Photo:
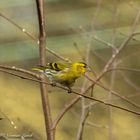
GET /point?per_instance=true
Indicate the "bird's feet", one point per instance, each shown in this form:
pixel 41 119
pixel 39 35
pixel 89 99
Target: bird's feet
pixel 53 84
pixel 69 90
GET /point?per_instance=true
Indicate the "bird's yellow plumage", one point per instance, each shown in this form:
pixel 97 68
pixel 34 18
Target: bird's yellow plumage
pixel 63 74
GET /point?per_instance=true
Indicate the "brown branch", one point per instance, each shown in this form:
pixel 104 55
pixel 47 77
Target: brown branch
pixel 88 122
pixel 84 111
pixel 58 55
pixel 13 68
pixel 42 59
pixel 6 136
pixel 113 75
pixel 84 117
pixel 96 125
pixel 22 77
pixel 123 69
pixel 114 99
pixel 105 103
pixel 95 37
pixel 125 35
pixel 129 82
pixel 114 93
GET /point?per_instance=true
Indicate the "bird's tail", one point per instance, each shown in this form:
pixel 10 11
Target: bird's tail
pixel 40 69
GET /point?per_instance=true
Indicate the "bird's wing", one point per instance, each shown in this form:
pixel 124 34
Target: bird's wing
pixel 57 66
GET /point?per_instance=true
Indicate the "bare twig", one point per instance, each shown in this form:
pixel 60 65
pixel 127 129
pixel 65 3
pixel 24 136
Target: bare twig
pixel 83 114
pixel 12 123
pixel 84 111
pixel 125 35
pixel 96 125
pixel 131 83
pixel 114 99
pixel 19 27
pixel 84 117
pixel 123 69
pixel 103 41
pixel 113 74
pixel 13 68
pixel 32 37
pixel 42 51
pixel 16 136
pixel 21 76
pixel 114 93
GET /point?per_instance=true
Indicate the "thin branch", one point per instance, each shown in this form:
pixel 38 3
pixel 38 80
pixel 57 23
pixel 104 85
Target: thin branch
pixel 136 21
pixel 112 80
pixel 16 136
pixel 32 37
pixel 22 77
pixel 114 99
pixel 123 69
pixel 103 41
pixel 84 117
pixel 12 123
pixel 89 123
pixel 131 83
pixel 113 92
pixel 58 55
pixel 113 74
pixel 96 125
pixel 84 111
pixel 13 68
pixel 42 60
pixel 116 69
pixel 19 27
pixel 125 35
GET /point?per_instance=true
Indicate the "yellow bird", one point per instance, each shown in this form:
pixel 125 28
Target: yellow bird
pixel 62 73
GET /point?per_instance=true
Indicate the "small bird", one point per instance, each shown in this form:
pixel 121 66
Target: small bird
pixel 63 74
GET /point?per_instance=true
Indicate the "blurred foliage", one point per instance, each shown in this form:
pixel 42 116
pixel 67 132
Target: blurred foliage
pixel 69 23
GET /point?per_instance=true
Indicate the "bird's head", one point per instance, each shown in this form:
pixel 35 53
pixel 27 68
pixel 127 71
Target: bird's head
pixel 79 67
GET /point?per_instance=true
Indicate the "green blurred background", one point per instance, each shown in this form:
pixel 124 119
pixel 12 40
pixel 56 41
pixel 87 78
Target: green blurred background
pixel 70 24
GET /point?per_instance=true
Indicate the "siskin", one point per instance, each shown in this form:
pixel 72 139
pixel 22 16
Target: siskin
pixel 63 74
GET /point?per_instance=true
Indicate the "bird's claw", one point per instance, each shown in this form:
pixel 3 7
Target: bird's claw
pixel 69 90
pixel 53 84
